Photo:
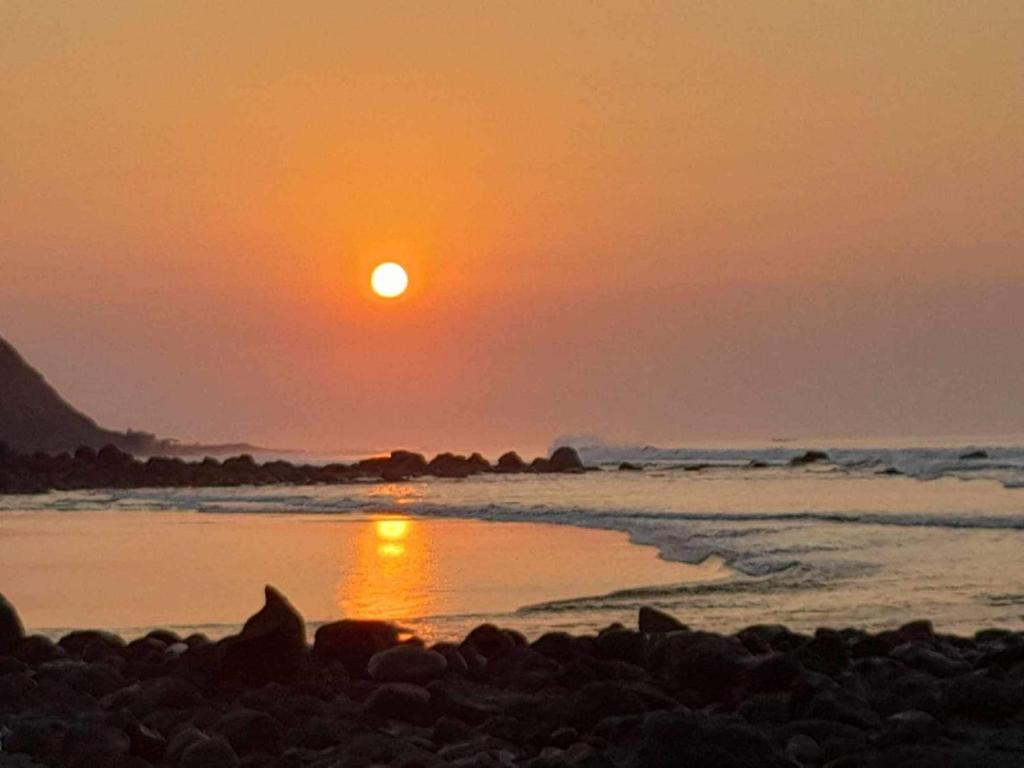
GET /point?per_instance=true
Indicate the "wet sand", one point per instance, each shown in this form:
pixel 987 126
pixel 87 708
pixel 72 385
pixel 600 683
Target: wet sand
pixel 132 571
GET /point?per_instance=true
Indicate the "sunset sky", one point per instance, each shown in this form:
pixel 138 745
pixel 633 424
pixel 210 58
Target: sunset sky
pixel 659 222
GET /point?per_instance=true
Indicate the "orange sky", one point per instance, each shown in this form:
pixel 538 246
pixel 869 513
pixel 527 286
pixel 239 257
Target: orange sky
pixel 654 221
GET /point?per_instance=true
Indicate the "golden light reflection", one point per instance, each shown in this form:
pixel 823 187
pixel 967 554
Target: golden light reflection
pixel 393 572
pixel 392 530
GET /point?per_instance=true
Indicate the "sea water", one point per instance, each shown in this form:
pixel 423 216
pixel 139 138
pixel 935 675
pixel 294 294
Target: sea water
pixel 723 537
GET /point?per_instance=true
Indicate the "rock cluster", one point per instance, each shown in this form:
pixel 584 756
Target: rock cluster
pixel 111 467
pixel 658 695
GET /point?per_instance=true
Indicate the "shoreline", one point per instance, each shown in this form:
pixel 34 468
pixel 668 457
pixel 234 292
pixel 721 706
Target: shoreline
pixel 653 694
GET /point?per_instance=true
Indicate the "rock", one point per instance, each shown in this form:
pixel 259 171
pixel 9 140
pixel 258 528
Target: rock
pixel 271 645
pixel 980 697
pixel 651 620
pixel 249 731
pixel 400 701
pixel 406 664
pixel 973 455
pixel 510 462
pixel 208 753
pixel 599 700
pixel 352 643
pixel 488 640
pixel 36 649
pixel 622 645
pixel 449 465
pixel 808 457
pixel 842 707
pixel 627 466
pixel 803 750
pixel 565 459
pixel 561 646
pixel 710 664
pixel 453 656
pixel 92 645
pixel 11 630
pixel 911 726
pixel 91 745
pixel 670 740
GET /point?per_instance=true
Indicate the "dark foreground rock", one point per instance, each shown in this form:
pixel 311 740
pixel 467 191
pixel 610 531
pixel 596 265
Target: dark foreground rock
pixel 650 696
pixel 111 467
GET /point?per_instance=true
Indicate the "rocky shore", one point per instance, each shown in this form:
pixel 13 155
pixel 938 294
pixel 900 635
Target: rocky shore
pixel 111 467
pixel 656 694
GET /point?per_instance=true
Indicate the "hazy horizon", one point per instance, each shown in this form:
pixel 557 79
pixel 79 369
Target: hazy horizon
pixel 656 222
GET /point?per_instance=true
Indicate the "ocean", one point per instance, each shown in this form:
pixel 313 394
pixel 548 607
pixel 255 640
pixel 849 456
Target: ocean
pixel 723 537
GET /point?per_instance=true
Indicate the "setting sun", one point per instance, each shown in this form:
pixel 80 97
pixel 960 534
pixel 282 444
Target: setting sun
pixel 389 280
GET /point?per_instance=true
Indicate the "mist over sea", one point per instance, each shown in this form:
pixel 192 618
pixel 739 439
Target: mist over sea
pixel 724 536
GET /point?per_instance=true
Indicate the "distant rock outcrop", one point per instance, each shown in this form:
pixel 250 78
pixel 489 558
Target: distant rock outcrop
pixel 34 417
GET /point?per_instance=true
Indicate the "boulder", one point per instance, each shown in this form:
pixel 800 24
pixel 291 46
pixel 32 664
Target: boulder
pixel 709 664
pixel 565 459
pixel 249 731
pixel 808 457
pixel 271 645
pixel 651 621
pixel 973 455
pixel 400 701
pixel 208 753
pixel 510 462
pixel 11 630
pixel 352 642
pixel 488 640
pixel 406 664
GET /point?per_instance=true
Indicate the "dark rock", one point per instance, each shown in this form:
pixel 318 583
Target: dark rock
pixel 87 745
pixel 622 645
pixel 808 457
pixel 271 645
pixel 803 750
pixel 707 663
pixel 11 630
pixel 249 731
pixel 596 701
pixel 400 701
pixel 565 459
pixel 980 697
pixel 448 730
pixel 911 726
pixel 92 645
pixel 652 620
pixel 352 642
pixel 842 707
pixel 36 649
pixel 627 466
pixel 670 740
pixel 406 664
pixel 561 646
pixel 457 664
pixel 488 640
pixel 510 462
pixel 973 455
pixel 449 465
pixel 208 753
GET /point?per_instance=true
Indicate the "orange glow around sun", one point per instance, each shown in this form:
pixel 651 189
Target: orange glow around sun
pixel 389 280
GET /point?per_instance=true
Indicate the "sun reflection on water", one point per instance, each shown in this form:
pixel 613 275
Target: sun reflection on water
pixel 393 573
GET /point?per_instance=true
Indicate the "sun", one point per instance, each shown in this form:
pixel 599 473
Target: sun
pixel 389 280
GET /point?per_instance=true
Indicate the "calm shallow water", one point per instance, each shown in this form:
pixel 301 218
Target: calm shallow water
pixel 828 544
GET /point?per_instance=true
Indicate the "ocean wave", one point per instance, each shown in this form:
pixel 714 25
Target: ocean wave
pixel 1001 463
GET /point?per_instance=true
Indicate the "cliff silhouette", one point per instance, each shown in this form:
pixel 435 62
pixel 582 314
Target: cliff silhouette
pixel 34 417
